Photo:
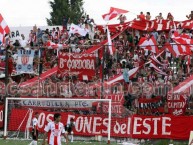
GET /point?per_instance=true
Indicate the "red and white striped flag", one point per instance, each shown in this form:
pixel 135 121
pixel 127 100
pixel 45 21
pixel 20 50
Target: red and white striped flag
pixel 155 60
pixel 4 28
pixel 149 44
pixel 114 12
pixel 159 71
pixel 118 78
pixel 178 50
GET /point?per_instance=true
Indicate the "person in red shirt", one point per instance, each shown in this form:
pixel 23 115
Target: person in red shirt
pixel 141 16
pixel 10 64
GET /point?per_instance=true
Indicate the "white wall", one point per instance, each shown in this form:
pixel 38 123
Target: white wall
pixel 26 30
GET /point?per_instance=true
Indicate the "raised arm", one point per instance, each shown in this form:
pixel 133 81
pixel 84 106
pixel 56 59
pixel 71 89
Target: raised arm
pixel 187 16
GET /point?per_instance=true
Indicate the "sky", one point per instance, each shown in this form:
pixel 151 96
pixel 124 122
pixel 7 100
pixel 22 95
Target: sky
pixel 30 12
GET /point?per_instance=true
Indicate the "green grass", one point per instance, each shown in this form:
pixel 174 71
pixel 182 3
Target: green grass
pixel 24 142
pixel 151 142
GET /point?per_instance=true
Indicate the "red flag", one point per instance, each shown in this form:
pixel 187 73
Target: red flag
pixel 113 13
pixel 4 28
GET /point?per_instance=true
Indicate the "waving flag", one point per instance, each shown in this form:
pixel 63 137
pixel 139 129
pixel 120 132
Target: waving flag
pixel 105 42
pixel 149 44
pixel 42 77
pixel 52 45
pixel 183 39
pixel 109 42
pixel 159 71
pixel 114 12
pixel 155 60
pixel 117 78
pixel 174 49
pixel 75 29
pixel 4 28
pixel 178 50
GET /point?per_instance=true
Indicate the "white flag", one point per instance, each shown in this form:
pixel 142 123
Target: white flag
pixel 109 42
pixel 76 29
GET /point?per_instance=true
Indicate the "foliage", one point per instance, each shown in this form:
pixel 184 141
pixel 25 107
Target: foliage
pixel 63 8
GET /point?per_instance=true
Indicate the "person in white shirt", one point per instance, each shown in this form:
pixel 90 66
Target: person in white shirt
pixel 135 57
pixel 23 42
pixel 77 50
pixel 69 128
pixel 35 129
pixel 54 130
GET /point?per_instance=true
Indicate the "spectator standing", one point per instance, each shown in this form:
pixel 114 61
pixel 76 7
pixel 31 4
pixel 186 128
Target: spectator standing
pixel 170 17
pixel 141 16
pixel 190 16
pixel 159 17
pixel 148 16
pixel 155 34
pixel 122 19
pixel 45 37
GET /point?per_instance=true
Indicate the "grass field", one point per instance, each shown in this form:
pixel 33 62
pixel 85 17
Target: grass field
pixel 152 142
pixel 23 142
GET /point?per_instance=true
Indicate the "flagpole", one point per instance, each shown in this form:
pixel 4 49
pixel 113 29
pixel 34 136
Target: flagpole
pixel 69 73
pixel 172 61
pixel 39 71
pixel 6 79
pixel 103 64
pixel 133 37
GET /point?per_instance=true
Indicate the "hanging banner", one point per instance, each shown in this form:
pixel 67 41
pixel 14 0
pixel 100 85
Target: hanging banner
pixel 25 61
pixel 82 64
pixel 79 104
pixel 115 97
pixel 116 106
pixel 177 104
pixel 155 105
pixel 145 25
pixel 1 115
pixel 144 127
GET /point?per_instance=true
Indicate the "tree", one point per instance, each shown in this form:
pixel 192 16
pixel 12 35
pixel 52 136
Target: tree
pixel 72 9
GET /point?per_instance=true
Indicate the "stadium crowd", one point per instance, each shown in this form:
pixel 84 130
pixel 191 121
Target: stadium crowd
pixel 127 56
